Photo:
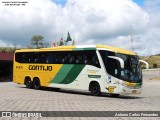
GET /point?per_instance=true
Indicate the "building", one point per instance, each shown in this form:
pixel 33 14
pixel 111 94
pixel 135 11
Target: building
pixel 6 64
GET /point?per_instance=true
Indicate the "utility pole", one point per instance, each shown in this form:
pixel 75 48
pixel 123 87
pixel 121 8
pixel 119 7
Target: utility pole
pixel 132 46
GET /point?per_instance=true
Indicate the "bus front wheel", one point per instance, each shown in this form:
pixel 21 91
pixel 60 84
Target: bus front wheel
pixel 95 89
pixel 36 83
pixel 28 82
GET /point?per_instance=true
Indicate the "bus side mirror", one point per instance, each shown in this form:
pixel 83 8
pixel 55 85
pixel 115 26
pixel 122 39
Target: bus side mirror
pixel 118 59
pixel 147 65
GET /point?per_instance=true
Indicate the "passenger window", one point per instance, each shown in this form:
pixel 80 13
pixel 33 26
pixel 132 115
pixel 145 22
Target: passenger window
pixel 72 59
pixel 67 57
pixel 64 59
pixel 86 61
pixel 91 58
pixel 43 57
pixel 58 58
pixel 79 60
pixel 61 58
pixel 75 57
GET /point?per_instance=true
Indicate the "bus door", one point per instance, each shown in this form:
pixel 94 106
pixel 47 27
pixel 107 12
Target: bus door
pixel 112 67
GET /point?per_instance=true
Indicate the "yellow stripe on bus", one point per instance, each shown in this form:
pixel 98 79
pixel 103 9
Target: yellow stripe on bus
pixel 130 84
pixel 50 75
pixel 116 49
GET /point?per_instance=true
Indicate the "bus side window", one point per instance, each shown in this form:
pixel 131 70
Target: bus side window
pixel 36 58
pixel 79 60
pixel 50 58
pixel 18 57
pixel 91 58
pixel 42 57
pixel 60 58
pixel 31 59
pixel 64 59
pixel 85 60
pixel 72 59
pixel 25 58
pixel 95 61
pixel 75 57
pixel 78 55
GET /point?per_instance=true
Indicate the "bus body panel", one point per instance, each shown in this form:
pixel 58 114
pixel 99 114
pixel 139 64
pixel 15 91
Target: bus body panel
pixel 74 76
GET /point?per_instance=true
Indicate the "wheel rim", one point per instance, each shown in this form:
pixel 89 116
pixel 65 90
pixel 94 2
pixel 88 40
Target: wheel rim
pixel 36 84
pixel 95 89
pixel 28 83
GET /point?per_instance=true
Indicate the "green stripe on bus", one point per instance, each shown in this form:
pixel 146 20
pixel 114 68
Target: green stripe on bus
pixel 139 84
pixel 89 48
pixel 67 74
pixel 62 73
pixel 79 49
pixel 73 73
pixel 94 76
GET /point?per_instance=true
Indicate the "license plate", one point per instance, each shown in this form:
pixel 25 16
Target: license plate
pixel 134 91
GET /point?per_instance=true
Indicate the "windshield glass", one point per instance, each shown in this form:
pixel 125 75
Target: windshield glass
pixel 132 68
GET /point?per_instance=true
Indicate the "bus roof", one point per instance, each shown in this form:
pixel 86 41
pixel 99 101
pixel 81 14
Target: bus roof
pixel 116 49
pixel 82 47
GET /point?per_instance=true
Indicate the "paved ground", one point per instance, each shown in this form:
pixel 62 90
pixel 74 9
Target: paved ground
pixel 14 97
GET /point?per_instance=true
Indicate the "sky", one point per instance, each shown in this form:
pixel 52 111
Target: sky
pixel 107 22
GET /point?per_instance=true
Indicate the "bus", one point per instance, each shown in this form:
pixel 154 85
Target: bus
pixel 95 68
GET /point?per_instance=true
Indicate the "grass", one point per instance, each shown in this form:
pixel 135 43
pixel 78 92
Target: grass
pixel 158 78
pixel 155 78
pixel 152 60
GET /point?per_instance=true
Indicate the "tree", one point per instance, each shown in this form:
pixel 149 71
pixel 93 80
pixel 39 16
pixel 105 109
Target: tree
pixel 37 40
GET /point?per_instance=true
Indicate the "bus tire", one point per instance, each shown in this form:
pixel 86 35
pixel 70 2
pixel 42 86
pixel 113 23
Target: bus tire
pixel 95 89
pixel 115 95
pixel 36 83
pixel 28 82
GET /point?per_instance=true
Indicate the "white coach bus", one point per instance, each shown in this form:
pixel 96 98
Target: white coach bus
pixel 95 68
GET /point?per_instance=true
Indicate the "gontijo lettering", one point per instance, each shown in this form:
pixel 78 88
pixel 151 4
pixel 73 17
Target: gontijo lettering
pixel 40 67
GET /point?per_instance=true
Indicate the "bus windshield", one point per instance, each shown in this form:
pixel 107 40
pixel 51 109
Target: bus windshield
pixel 132 69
